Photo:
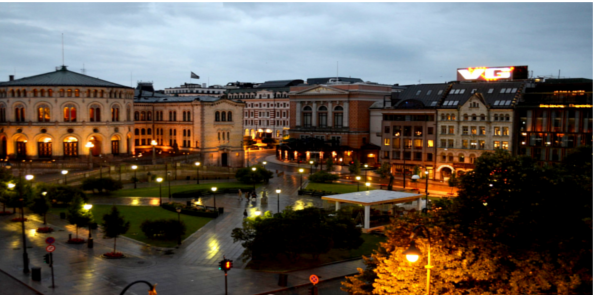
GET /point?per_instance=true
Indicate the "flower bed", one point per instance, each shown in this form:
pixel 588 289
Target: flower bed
pixel 113 255
pixel 18 219
pixel 44 230
pixel 76 241
pixel 189 210
pixel 2 213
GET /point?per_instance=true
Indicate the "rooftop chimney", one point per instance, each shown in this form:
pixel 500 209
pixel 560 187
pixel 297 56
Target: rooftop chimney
pixel 11 78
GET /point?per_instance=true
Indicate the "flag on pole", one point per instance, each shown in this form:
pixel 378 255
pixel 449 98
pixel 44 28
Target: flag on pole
pixel 194 76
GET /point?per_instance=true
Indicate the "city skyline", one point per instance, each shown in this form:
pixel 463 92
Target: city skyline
pixel 405 43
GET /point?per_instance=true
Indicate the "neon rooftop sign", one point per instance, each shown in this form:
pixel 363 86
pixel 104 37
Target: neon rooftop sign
pixel 507 73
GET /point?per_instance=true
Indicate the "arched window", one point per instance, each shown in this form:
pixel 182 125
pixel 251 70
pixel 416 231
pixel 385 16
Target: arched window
pixel 307 116
pixel 115 114
pixel 95 93
pixel 19 113
pixel 101 94
pixel 43 113
pixel 88 93
pixel 228 116
pixel 136 116
pixel 95 113
pixel 474 117
pixel 77 93
pixel 24 93
pixel 62 92
pixel 34 92
pixel 18 93
pixel 223 116
pixel 465 117
pixel 2 113
pixel 142 131
pixel 442 117
pixel 149 116
pixel 127 113
pixel 12 93
pixel 50 93
pixel 472 158
pixel 69 93
pixel 189 117
pixel 482 117
pixel 120 94
pixel 507 117
pixel 501 117
pixel 461 158
pixel 495 117
pixel 42 93
pixel 338 117
pixel 217 118
pixel 453 117
pixel 136 131
pixel 184 131
pixel 322 117
pixel 142 116
pixel 69 113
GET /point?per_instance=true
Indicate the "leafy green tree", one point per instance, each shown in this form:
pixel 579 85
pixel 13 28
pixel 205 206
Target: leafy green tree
pixel 77 215
pixel 61 195
pixel 5 193
pixel 114 225
pixel 329 164
pixel 246 175
pixel 355 168
pixel 40 206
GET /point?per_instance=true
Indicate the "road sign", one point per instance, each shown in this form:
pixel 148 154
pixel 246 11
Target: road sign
pixel 50 240
pixel 50 248
pixel 314 279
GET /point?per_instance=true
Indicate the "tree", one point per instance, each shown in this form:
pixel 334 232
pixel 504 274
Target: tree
pixel 103 185
pixel 246 175
pixel 61 195
pixel 329 164
pixel 384 173
pixel 77 215
pixel 40 206
pixel 114 225
pixel 355 168
pixel 452 181
pixel 323 177
pixel 5 193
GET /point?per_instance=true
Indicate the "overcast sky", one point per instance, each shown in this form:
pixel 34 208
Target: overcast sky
pixel 255 42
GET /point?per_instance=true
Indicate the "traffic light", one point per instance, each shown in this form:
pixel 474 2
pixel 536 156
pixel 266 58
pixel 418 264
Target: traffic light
pixel 222 265
pixel 46 258
pixel 228 264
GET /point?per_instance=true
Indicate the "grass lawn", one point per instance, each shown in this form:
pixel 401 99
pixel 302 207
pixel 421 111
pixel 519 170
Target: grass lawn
pixel 137 214
pixel 154 191
pixel 283 264
pixel 335 187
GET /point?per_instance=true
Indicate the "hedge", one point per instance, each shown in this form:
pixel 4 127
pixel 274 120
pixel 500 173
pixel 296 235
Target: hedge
pixel 190 210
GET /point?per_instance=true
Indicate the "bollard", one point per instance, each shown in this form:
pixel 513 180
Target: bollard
pixel 90 243
pixel 282 280
pixel 69 237
pixel 36 274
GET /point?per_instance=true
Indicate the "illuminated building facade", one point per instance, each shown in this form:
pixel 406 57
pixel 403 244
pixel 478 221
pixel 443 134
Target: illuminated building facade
pixel 554 116
pixel 194 89
pixel 335 113
pixel 407 130
pixel 55 115
pixel 266 114
pixel 207 125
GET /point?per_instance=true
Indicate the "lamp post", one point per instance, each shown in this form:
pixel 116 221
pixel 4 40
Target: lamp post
pixel 214 189
pixel 90 145
pixel 367 185
pixel 178 209
pixel 88 207
pixel 197 173
pixel 427 176
pixel 311 163
pixel 301 170
pixel 134 167
pixel 254 179
pixel 100 166
pixel 153 145
pixel 159 180
pixel 169 185
pixel 25 255
pixel 413 252
pixel 366 168
pixel 65 172
pixel 358 178
pixel 278 191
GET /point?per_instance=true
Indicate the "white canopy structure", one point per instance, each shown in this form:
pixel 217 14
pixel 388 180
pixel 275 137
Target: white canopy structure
pixel 374 197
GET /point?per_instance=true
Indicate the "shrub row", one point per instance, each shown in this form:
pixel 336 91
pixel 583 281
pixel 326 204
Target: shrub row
pixel 189 210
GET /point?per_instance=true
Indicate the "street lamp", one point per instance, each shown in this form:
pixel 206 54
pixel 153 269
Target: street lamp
pixel 134 167
pixel 358 178
pixel 301 170
pixel 197 173
pixel 278 191
pixel 414 178
pixel 427 177
pixel 311 163
pixel 178 209
pixel 154 144
pixel 64 172
pixel 253 179
pixel 25 255
pixel 366 166
pixel 88 207
pixel 159 180
pixel 90 145
pixel 367 185
pixel 214 189
pixel 413 252
pixel 169 185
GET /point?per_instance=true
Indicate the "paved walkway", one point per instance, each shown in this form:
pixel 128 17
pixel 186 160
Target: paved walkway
pixel 191 269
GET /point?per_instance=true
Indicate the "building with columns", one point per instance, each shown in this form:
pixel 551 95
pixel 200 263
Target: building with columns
pixel 56 114
pixel 337 114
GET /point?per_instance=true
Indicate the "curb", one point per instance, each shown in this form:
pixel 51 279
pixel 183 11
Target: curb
pixel 19 281
pixel 303 285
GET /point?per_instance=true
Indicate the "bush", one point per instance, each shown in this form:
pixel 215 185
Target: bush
pixel 322 177
pixel 101 185
pixel 61 195
pixel 246 175
pixel 166 229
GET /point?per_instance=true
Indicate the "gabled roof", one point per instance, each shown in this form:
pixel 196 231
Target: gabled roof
pixel 62 77
pixel 428 94
pixel 502 95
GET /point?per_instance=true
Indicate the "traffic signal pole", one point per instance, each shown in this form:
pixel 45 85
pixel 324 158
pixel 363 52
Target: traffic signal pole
pixel 52 268
pixel 225 283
